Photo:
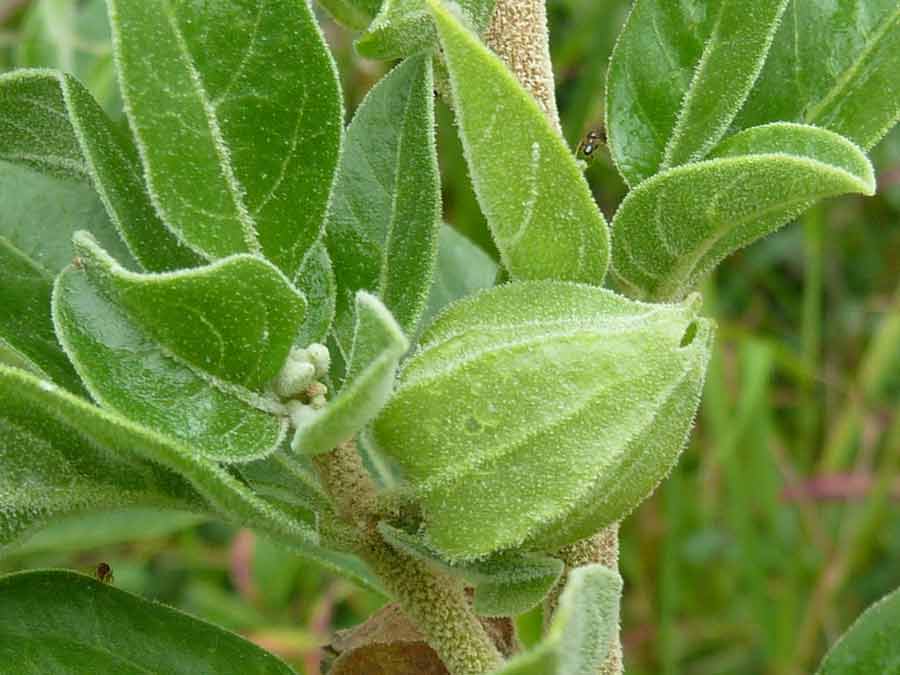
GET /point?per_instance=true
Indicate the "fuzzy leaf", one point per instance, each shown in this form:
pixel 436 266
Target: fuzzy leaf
pixel 91 531
pixel 316 280
pixel 56 621
pixel 127 371
pixel 72 37
pixel 583 627
pixel 405 27
pixel 545 222
pixel 355 14
pixel 10 356
pixel 870 645
pixel 238 129
pixel 38 217
pixel 378 344
pixel 506 584
pixel 383 224
pixel 85 458
pixel 462 269
pixel 235 319
pixel 676 227
pixel 25 324
pixel 50 468
pixel 50 122
pixel 504 375
pixel 678 76
pixel 41 213
pixel 833 65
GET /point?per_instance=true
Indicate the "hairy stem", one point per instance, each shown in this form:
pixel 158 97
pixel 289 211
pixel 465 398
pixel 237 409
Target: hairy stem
pixel 518 35
pixel 437 604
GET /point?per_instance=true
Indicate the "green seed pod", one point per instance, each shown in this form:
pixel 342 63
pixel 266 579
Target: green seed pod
pixel 537 413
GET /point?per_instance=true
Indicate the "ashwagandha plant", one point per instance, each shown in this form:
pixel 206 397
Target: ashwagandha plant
pixel 244 329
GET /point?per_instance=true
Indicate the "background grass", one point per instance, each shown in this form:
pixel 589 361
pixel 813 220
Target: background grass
pixel 778 526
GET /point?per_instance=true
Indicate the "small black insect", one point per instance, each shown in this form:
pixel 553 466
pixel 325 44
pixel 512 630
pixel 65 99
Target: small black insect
pixel 587 149
pixel 104 573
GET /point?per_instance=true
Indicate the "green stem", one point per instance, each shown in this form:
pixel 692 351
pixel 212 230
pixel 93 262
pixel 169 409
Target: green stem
pixel 436 603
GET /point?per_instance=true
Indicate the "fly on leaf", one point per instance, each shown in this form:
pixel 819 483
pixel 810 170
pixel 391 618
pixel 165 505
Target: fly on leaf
pixel 104 573
pixel 590 144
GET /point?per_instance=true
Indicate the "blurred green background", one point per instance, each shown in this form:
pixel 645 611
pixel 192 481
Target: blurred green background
pixel 778 526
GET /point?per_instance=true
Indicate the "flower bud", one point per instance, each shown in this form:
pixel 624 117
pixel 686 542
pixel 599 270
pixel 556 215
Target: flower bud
pixel 538 413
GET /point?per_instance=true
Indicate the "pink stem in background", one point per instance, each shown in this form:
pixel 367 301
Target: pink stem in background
pixel 240 565
pixel 836 487
pixel 320 624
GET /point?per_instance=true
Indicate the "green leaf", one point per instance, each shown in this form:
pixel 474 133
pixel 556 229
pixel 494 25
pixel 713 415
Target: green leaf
pixel 84 532
pixel 126 370
pixel 239 129
pixel 730 64
pixel 870 645
pixel 378 344
pixel 833 65
pixel 41 213
pixel 504 375
pixel 506 584
pixel 316 280
pixel 462 269
pixel 36 222
pixel 235 319
pixel 383 225
pixel 62 455
pixel 73 37
pixel 287 479
pixel 545 221
pixel 676 227
pixel 355 14
pixel 678 76
pixel 405 27
pixel 25 323
pixel 584 625
pixel 49 468
pixel 56 621
pixel 50 122
pixel 10 356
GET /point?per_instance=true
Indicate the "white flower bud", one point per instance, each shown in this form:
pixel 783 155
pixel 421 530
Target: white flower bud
pixel 294 378
pixel 320 357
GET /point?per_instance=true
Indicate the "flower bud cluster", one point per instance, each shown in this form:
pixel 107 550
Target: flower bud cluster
pixel 299 380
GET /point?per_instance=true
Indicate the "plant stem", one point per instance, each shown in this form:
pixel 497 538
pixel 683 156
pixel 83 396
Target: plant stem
pixel 518 35
pixel 436 603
